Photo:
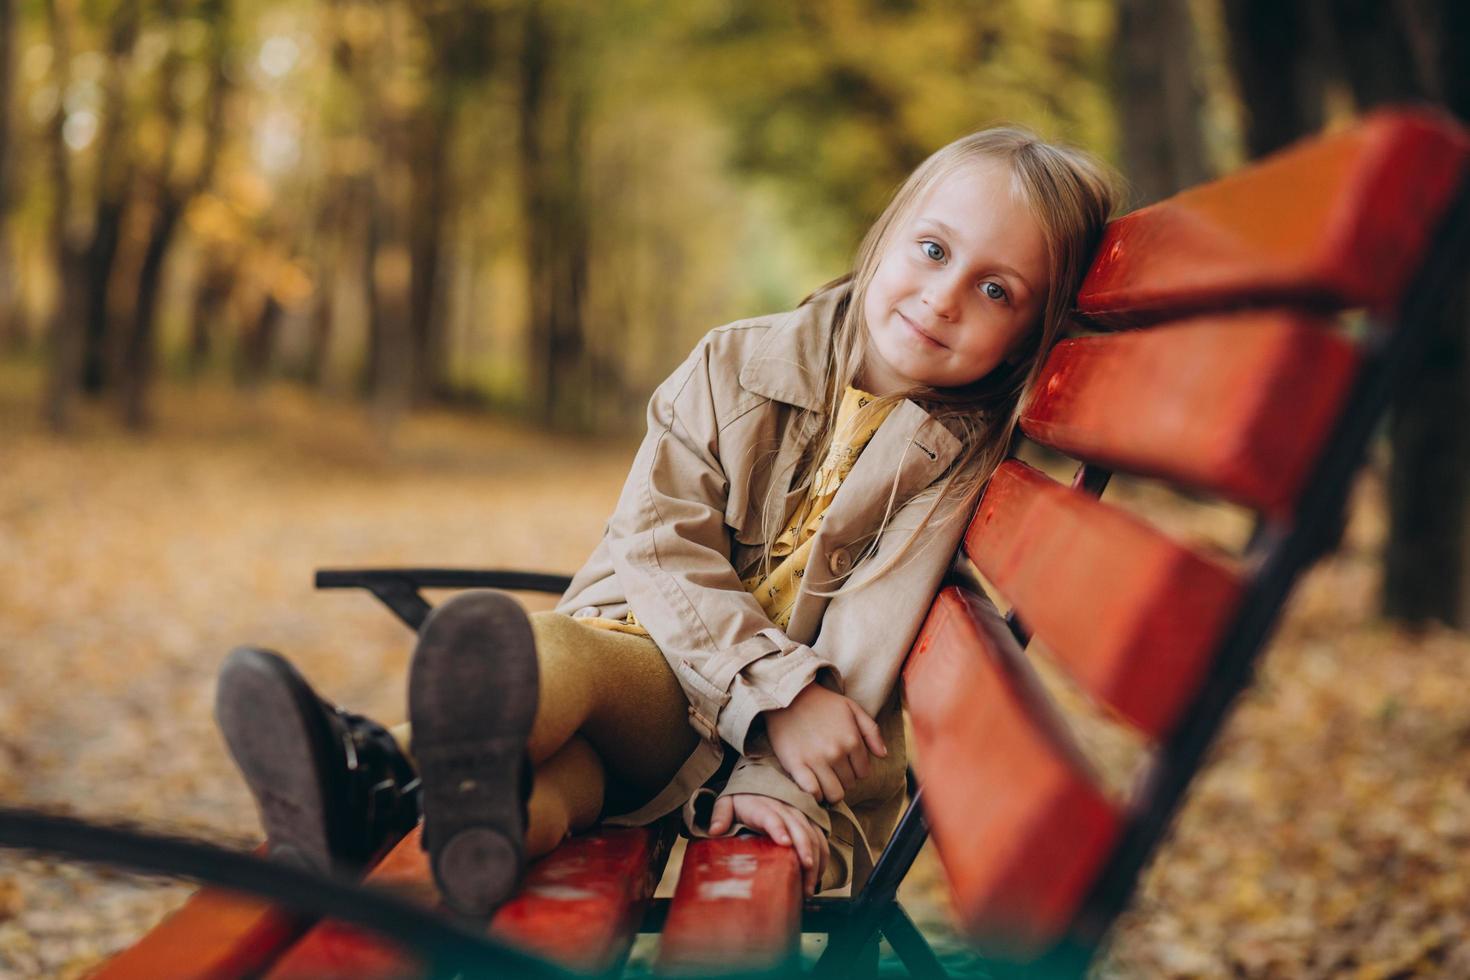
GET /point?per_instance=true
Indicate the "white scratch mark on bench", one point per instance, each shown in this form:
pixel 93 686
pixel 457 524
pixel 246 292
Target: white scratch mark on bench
pixel 561 893
pixel 740 864
pixel 564 869
pixel 710 891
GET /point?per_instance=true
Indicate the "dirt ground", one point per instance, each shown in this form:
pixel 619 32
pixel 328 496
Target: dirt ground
pixel 1329 836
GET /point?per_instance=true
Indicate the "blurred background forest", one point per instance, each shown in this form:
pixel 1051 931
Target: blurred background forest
pixel 470 230
pixel 535 206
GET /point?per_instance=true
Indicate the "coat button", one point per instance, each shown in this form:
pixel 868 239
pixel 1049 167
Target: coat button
pixel 840 561
pixel 586 612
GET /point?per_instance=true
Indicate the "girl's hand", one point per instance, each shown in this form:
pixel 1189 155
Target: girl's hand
pixel 823 739
pixel 781 822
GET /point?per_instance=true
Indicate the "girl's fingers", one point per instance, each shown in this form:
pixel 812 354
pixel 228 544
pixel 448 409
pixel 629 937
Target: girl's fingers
pixel 871 733
pixel 798 837
pixel 831 785
pixel 721 816
pixel 807 780
pixel 806 852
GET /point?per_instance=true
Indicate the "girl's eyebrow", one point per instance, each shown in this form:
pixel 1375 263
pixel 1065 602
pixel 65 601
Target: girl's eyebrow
pixel 998 266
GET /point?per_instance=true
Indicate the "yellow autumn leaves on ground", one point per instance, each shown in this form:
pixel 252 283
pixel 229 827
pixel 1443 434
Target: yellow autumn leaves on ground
pixel 1328 837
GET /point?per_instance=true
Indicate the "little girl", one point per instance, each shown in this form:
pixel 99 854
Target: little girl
pixel 733 644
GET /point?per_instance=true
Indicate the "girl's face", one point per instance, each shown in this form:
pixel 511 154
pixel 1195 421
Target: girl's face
pixel 958 285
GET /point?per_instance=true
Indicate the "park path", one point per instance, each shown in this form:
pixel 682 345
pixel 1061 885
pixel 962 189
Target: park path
pixel 1328 837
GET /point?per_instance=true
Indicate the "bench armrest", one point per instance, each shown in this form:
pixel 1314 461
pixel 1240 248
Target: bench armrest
pixel 398 588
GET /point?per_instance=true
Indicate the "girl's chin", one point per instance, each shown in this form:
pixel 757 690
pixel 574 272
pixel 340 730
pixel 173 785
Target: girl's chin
pixel 899 371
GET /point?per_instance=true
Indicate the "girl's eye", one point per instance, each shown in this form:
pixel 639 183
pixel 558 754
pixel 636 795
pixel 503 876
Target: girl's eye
pixel 994 290
pixel 932 250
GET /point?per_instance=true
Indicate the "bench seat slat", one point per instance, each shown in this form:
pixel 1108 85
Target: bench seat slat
pixel 1020 831
pixel 582 904
pixel 1339 221
pixel 737 908
pixel 336 950
pixel 579 906
pixel 215 935
pixel 1237 405
pixel 1130 613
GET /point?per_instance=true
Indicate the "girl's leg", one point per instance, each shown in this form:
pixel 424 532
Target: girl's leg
pixel 616 690
pixel 566 798
pixel 604 698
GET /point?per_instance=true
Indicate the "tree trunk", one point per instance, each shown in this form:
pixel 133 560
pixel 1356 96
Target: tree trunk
pixel 1427 564
pixel 66 319
pixel 391 352
pixel 555 220
pixel 1279 68
pixel 115 177
pixel 426 234
pixel 216 280
pixel 259 342
pixel 136 366
pixel 1159 99
pixel 12 328
pixel 1385 53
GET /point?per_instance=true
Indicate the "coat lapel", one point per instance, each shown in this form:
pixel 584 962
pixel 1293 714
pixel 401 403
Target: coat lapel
pixel 910 442
pixel 788 366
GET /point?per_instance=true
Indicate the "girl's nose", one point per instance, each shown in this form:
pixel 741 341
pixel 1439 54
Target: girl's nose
pixel 942 296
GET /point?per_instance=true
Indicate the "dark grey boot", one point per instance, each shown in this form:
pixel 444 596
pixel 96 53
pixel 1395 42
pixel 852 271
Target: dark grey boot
pixel 472 694
pixel 332 787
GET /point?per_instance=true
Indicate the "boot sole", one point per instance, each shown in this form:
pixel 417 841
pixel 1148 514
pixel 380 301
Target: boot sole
pixel 472 693
pixel 271 722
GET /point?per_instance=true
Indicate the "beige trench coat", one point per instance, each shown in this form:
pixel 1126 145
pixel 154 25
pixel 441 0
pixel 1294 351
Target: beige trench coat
pixel 687 525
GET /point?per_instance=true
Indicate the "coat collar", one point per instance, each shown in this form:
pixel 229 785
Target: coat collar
pixel 790 361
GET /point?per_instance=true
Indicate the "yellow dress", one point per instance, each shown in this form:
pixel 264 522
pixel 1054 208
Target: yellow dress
pixel 777 592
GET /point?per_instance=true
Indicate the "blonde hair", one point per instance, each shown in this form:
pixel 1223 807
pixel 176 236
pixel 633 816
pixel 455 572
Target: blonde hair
pixel 1072 195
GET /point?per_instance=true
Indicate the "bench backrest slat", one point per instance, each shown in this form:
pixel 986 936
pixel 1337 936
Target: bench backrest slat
pixel 1337 222
pixel 1235 405
pixel 1023 831
pixel 1132 614
pixel 1253 399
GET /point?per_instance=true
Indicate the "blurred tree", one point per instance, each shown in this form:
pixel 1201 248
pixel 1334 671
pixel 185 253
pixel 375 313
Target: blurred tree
pixel 460 38
pixel 389 106
pixel 1427 573
pixel 1278 62
pixel 171 192
pixel 1286 56
pixel 115 172
pixel 841 99
pixel 1160 101
pixel 66 327
pixel 551 112
pixel 424 173
pixel 12 329
pixel 344 187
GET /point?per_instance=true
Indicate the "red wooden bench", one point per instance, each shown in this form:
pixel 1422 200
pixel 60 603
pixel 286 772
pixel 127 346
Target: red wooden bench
pixel 1246 387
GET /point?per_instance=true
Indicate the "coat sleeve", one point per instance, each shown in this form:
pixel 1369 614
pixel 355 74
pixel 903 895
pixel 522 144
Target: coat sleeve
pixel 886 629
pixel 671 551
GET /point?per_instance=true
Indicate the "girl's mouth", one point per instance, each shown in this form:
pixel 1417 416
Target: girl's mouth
pixel 924 337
